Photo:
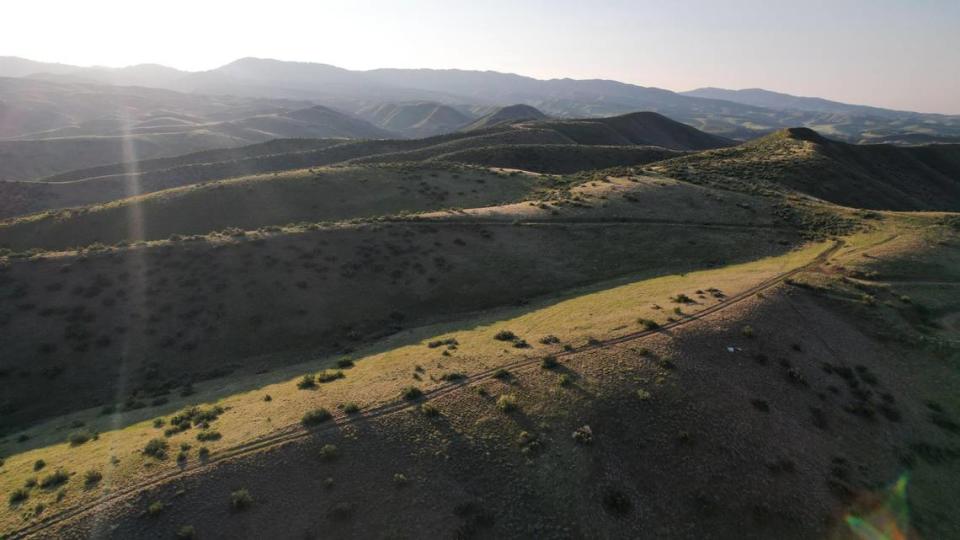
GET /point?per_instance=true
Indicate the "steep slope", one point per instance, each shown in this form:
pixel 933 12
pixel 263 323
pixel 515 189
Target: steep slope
pixel 415 120
pixel 505 115
pixel 864 176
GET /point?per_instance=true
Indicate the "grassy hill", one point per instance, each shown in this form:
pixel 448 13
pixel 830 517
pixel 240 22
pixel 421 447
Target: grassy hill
pixel 865 176
pixel 505 115
pixel 558 158
pixel 415 120
pixel 752 384
pixel 643 128
pixel 324 194
pixel 195 308
pixel 103 184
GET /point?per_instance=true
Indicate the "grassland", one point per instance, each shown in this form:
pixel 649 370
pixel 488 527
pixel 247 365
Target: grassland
pixel 759 410
pixel 576 318
pixel 156 317
pixel 249 203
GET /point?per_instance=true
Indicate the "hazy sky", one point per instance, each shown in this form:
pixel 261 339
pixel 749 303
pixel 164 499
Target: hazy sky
pixel 900 54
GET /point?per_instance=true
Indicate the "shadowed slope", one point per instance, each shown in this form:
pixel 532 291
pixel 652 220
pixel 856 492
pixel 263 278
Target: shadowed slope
pixel 865 176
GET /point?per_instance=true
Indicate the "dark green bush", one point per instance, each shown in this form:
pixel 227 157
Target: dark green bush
pixel 18 495
pixel 329 376
pixel 328 452
pixel 649 324
pixel 77 438
pixel 240 499
pixel 156 448
pixel 316 416
pixel 54 479
pixel 507 403
pixel 411 393
pixel 209 435
pixel 92 477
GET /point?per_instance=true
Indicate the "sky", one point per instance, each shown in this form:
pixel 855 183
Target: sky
pixel 901 54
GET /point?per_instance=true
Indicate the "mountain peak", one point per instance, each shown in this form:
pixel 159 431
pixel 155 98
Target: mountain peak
pixel 804 134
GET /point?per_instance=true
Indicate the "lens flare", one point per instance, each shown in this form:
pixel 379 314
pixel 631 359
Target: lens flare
pixel 888 519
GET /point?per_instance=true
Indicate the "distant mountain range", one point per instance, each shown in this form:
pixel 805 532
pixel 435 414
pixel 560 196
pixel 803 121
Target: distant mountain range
pixel 432 98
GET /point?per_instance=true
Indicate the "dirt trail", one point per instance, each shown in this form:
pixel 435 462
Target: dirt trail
pixel 297 431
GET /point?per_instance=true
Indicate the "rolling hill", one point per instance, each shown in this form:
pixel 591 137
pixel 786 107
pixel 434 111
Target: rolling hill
pixel 733 114
pixel 800 160
pixel 51 153
pixel 643 128
pixel 102 184
pixel 415 120
pixel 505 115
pixel 249 203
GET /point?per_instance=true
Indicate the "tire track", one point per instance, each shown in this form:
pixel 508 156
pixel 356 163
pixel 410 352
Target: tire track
pixel 296 432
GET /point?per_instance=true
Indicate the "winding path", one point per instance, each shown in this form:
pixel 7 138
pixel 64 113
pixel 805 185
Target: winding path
pixel 296 432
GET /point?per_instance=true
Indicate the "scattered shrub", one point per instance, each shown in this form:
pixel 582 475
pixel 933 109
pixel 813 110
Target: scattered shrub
pixel 449 342
pixel 430 410
pixel 209 435
pixel 521 344
pixel 39 464
pixel 240 499
pixel 565 380
pixel 549 362
pixel 502 374
pixel 79 437
pixel 549 340
pixel 682 299
pixel 159 423
pixel 328 452
pixel 204 452
pixel 329 375
pixel 54 479
pixel 341 511
pixel 30 483
pixel 92 477
pixel 507 403
pixel 18 495
pixel 307 382
pixel 583 435
pixel 155 508
pixel 351 408
pixel 344 363
pixel 411 393
pixel 453 376
pixel 505 335
pixel 649 324
pixel 156 448
pixel 400 479
pixel 267 398
pixel 748 332
pixel 187 532
pixel 644 395
pixel 316 416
